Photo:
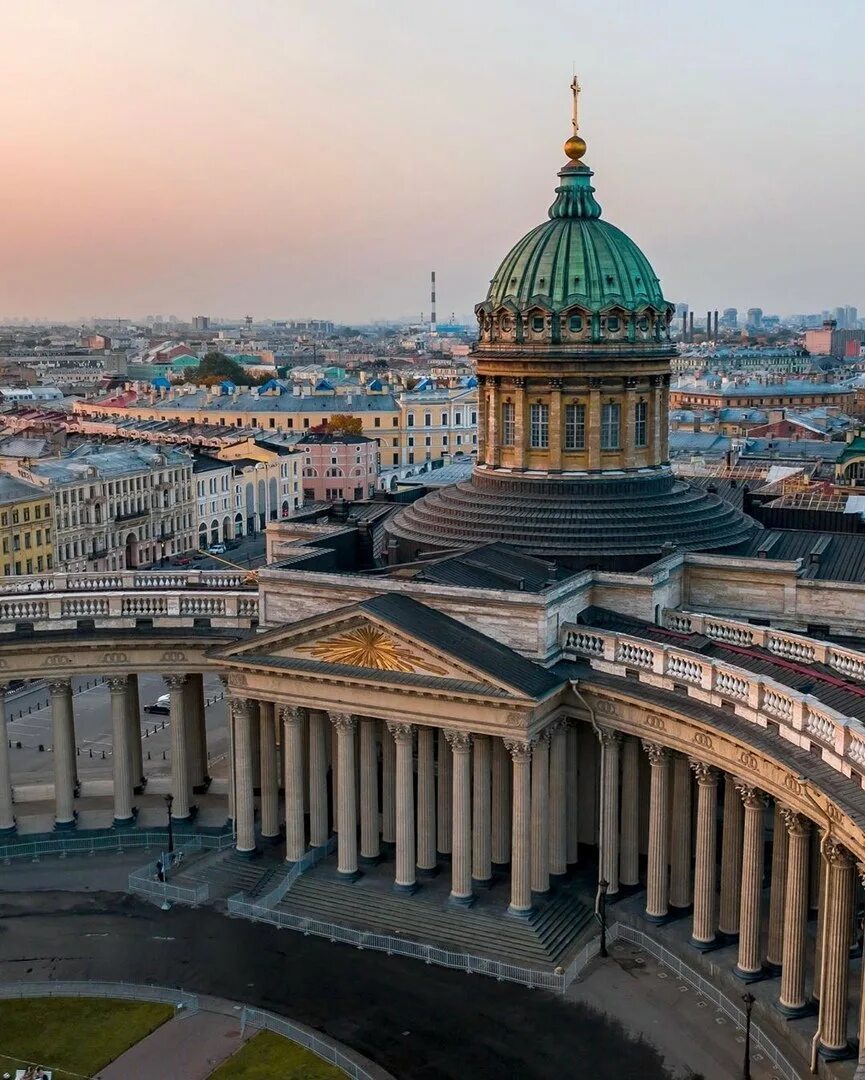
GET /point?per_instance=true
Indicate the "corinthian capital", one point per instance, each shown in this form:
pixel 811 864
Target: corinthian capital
pixel 292 715
pixel 59 686
pixel 656 753
pixel 795 824
pixel 752 797
pixel 343 721
pixel 836 854
pixel 705 774
pixel 117 684
pixel 400 732
pixel 175 682
pixel 460 741
pixel 520 749
pixel 608 736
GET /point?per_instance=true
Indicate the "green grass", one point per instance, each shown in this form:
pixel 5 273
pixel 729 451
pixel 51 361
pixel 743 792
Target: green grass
pixel 268 1056
pixel 74 1036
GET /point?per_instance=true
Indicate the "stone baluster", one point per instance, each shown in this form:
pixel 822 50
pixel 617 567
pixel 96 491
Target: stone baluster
pixel 461 859
pixel 680 838
pixel 657 872
pixel 405 880
pixel 121 756
pixel 292 735
pixel 791 1001
pixel 572 794
pixel 832 1022
pixel 427 864
pixel 345 726
pixel 541 816
pixel 180 809
pixel 269 769
pixel 749 966
pixel 777 893
pixel 318 817
pixel 388 788
pixel 703 936
pixel 731 861
pixel 629 855
pixel 521 827
pixel 444 795
pixel 64 753
pixel 501 806
pixel 482 868
pixel 244 799
pixel 370 848
pixel 7 814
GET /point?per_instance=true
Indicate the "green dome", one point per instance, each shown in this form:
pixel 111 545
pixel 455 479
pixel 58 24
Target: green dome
pixel 576 259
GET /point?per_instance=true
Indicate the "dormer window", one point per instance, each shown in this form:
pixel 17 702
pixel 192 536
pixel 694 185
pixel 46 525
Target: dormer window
pixel 506 323
pixel 613 324
pixel 575 324
pixel 537 323
pixel 643 323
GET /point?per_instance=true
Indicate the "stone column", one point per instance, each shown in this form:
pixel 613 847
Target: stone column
pixel 501 805
pixel 572 794
pixel 860 1065
pixel 7 816
pixel 405 879
pixel 703 932
pixel 680 846
pixel 521 830
pixel 731 860
pixel 444 795
pixel 657 872
pixel 814 863
pixel 244 800
pixel 292 737
pixel 346 798
pixel 482 868
pixel 121 756
pixel 269 770
pixel 832 1023
pixel 427 865
pixel 629 856
pixel 749 966
pixel 558 801
pixel 179 749
pixel 777 894
pixel 255 713
pixel 791 1001
pixel 461 859
pixel 64 753
pixel 370 849
pixel 611 742
pixel 195 730
pixel 821 912
pixel 133 717
pixel 541 816
pixel 388 788
pixel 318 820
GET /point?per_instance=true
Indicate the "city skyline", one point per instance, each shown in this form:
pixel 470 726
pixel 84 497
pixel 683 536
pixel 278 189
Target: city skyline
pixel 284 161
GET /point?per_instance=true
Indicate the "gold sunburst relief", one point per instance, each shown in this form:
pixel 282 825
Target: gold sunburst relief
pixel 370 647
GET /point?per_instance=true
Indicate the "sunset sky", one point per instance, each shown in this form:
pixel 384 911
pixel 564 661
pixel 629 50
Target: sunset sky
pixel 294 158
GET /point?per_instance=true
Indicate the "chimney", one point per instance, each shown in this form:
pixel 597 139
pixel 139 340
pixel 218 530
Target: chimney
pixel 716 325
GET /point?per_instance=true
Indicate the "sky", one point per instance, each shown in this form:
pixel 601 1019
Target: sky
pixel 317 158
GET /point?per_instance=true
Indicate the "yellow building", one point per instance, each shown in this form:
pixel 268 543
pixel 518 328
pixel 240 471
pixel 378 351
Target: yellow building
pixel 26 544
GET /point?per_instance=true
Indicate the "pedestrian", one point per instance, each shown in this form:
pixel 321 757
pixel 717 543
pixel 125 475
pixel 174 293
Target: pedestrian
pixel 160 871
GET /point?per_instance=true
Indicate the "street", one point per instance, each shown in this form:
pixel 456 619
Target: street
pixel 248 553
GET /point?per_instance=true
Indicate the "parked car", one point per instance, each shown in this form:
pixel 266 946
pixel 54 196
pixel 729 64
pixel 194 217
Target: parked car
pixel 216 549
pixel 162 705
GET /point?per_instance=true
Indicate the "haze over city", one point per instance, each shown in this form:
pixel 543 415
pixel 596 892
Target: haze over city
pixel 306 159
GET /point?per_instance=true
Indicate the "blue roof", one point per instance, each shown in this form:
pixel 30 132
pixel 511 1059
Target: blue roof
pixel 323 384
pixel 272 384
pixel 227 387
pixel 375 385
pixel 161 383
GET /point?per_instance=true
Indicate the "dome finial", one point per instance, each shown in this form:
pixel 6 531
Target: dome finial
pixel 575 147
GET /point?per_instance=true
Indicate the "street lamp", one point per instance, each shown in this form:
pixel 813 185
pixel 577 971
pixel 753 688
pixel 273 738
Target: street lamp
pixel 749 1005
pixel 603 885
pixel 169 802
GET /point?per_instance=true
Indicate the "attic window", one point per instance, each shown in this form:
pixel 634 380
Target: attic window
pixel 576 323
pixel 613 323
pixel 537 323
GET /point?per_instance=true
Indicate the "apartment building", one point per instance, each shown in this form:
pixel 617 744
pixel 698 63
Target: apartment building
pixel 26 542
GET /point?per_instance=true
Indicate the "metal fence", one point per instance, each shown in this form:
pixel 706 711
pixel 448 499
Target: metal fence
pixel 711 993
pixel 257 1018
pixel 306 862
pixel 145 883
pixel 181 999
pixel 109 842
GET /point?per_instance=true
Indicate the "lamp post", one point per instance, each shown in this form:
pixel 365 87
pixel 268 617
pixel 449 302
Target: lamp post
pixel 169 802
pixel 601 913
pixel 749 1004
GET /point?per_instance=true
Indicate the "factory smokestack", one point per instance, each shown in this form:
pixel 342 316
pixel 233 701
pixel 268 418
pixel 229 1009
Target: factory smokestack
pixel 432 317
pixel 716 324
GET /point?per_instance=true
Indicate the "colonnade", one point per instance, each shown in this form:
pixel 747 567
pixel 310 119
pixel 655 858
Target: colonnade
pixel 434 796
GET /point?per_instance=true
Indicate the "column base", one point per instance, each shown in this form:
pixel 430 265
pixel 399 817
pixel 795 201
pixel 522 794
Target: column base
pixel 658 920
pixel 484 884
pixel 519 913
pixel 121 824
pixel 501 869
pixel 370 860
pixel 795 1012
pixel 177 820
pixel 707 946
pixel 681 912
pixel 729 937
pixel 246 853
pixel 427 873
pixel 540 897
pixel 443 856
pixel 772 969
pixel 65 826
pixel 348 877
pixel 9 830
pixel 835 1053
pixel 749 976
pixel 460 901
pixel 558 879
pixel 388 847
pixel 405 890
pixel 271 841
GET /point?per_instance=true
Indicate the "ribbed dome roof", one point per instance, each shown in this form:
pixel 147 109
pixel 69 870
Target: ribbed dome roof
pixel 575 258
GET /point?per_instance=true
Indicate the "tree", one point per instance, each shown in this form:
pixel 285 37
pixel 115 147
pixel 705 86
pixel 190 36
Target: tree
pixel 216 366
pixel 345 424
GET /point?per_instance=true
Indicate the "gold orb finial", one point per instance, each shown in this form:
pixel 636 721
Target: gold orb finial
pixel 575 147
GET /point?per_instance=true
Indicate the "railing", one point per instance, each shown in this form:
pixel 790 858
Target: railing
pixel 310 859
pixel 759 699
pixel 848 662
pixel 111 842
pixel 144 883
pixel 327 1051
pixel 125 580
pixel 711 993
pixel 181 999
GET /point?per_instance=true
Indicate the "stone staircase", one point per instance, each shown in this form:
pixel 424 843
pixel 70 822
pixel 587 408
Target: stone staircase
pixel 227 874
pixel 484 930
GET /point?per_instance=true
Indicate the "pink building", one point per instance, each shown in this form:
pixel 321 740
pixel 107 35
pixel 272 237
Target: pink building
pixel 338 466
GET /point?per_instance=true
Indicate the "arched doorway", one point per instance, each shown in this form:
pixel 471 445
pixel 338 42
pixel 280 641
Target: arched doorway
pixel 238 525
pixel 226 528
pixel 202 535
pixel 214 531
pixel 131 551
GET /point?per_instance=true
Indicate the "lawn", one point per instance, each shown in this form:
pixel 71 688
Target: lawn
pixel 268 1055
pixel 74 1036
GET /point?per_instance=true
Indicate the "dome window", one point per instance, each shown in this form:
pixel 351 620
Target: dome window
pixel 537 323
pixel 506 323
pixel 575 323
pixel 643 323
pixel 542 281
pixel 576 279
pixel 513 281
pixel 613 324
pixel 610 279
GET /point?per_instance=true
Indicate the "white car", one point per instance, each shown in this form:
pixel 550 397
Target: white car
pixel 216 549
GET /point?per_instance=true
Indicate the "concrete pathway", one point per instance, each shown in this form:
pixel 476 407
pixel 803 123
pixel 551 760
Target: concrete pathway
pixel 185 1048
